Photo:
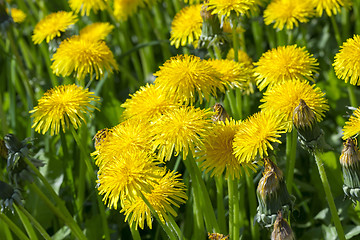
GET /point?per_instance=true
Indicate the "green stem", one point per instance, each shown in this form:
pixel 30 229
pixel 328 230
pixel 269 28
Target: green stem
pixel 235 41
pixel 134 233
pixel 328 194
pixel 291 143
pixel 239 103
pixel 352 96
pixel 252 204
pixel 234 220
pixel 13 226
pixel 336 30
pixel 220 203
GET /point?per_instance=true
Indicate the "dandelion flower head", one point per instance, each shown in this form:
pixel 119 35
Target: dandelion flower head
pixel 352 127
pixel 288 13
pixel 126 175
pixel 186 26
pixel 331 6
pixel 256 135
pixel 216 154
pixel 169 190
pixel 181 130
pixel 84 6
pixel 96 31
pixel 83 56
pixel 285 63
pixel 17 15
pixel 285 97
pixel 185 75
pixel 62 106
pixel 123 9
pixel 52 25
pixel 149 102
pixel 230 7
pixel 346 62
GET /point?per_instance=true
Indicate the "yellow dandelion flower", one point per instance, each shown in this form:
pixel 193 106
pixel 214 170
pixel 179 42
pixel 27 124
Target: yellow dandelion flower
pixel 126 175
pixel 217 236
pixel 169 190
pixel 285 63
pixel 181 130
pixel 256 135
pixel 84 6
pixel 228 7
pixel 184 76
pixel 331 6
pixel 149 102
pixel 186 26
pixel 52 25
pixel 130 135
pixel 288 13
pixel 346 63
pixel 62 106
pixel 284 98
pixel 352 127
pixel 96 31
pixel 82 56
pixel 125 8
pixel 17 15
pixel 233 74
pixel 216 153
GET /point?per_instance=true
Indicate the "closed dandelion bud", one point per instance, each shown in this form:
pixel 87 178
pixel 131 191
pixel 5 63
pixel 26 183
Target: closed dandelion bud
pixel 350 162
pixel 9 195
pixel 220 113
pixel 272 195
pixel 282 230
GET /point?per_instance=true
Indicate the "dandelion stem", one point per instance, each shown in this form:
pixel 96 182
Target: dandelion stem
pixel 336 30
pixel 13 226
pixel 134 233
pixel 234 221
pixel 220 203
pixel 352 97
pixel 328 194
pixel 235 41
pixel 291 143
pixel 252 204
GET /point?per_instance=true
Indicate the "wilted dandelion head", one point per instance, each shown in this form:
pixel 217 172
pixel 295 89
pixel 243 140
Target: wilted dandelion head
pixel 149 102
pixel 82 56
pixel 167 191
pixel 185 75
pixel 288 13
pixel 130 135
pixel 62 106
pixel 216 154
pixel 52 25
pixel 125 8
pixel 17 15
pixel 331 6
pixel 283 64
pixel 285 97
pixel 347 60
pixel 126 175
pixel 96 31
pixel 352 127
pixel 181 130
pixel 186 26
pixel 228 7
pixel 350 156
pixel 84 6
pixel 256 135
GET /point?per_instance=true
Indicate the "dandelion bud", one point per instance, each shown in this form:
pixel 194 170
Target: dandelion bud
pixel 282 230
pixel 217 236
pixel 220 113
pixel 272 194
pixel 9 195
pixel 349 160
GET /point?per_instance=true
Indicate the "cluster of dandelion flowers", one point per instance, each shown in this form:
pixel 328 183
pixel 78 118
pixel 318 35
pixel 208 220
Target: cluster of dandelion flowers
pixel 230 7
pixel 17 15
pixel 96 31
pixel 184 76
pixel 125 8
pixel 169 190
pixel 284 63
pixel 256 134
pixel 82 56
pixel 149 102
pixel 352 127
pixel 216 153
pixel 52 25
pixel 285 97
pixel 346 62
pixel 285 13
pixel 186 26
pixel 62 106
pixel 130 135
pixel 84 6
pixel 331 7
pixel 181 130
pixel 126 176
